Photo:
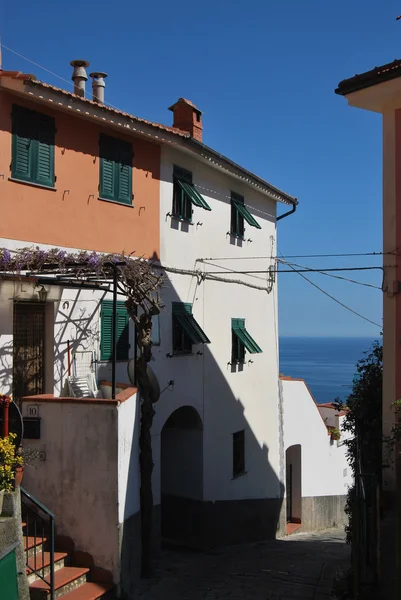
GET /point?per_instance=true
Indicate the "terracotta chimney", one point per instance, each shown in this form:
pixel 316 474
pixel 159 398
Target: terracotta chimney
pixel 188 118
pixel 79 76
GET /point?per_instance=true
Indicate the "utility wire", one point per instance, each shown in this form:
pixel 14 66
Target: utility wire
pixel 335 299
pixel 306 270
pixel 301 256
pixel 376 287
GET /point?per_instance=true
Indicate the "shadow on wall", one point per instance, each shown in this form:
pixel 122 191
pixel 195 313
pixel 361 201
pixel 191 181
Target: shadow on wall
pixel 209 489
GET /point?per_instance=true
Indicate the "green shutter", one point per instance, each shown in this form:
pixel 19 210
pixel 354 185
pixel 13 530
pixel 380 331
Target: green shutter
pixel 106 331
pixel 244 212
pixel 124 167
pixel 122 334
pixel 238 328
pixel 21 157
pixel 22 143
pixel 45 152
pixel 182 313
pixel 115 170
pixel 33 146
pixel 194 195
pixel 107 171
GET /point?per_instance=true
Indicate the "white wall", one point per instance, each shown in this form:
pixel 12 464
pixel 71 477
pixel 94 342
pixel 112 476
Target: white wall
pixel 78 478
pixel 325 471
pixel 128 458
pixel 76 319
pixel 227 401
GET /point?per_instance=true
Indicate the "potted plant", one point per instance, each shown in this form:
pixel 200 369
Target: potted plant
pixel 335 434
pixel 11 466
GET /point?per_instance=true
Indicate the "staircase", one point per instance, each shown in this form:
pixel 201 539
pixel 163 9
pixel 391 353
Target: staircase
pixel 54 568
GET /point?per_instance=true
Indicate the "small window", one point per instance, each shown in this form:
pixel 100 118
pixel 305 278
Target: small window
pixel 238 350
pixel 106 331
pixel 186 331
pixel 185 195
pixel 32 146
pixel 182 343
pixel 115 170
pixel 237 220
pixel 238 453
pixel 241 341
pixel 182 205
pixel 239 214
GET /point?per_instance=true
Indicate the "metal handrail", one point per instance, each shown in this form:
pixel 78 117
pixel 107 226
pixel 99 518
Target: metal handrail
pixel 31 505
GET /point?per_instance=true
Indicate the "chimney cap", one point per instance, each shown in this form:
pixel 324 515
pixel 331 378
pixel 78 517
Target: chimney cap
pixel 184 101
pixel 98 75
pixel 79 63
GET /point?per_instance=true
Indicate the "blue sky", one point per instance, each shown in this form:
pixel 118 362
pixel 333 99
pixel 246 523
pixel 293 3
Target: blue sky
pixel 264 74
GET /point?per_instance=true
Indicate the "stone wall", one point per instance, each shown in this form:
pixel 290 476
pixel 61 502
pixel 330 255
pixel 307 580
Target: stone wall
pixel 11 534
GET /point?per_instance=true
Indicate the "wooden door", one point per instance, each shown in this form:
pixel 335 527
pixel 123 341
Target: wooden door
pixel 28 349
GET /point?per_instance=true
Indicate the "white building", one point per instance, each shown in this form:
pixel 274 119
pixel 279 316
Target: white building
pixel 317 473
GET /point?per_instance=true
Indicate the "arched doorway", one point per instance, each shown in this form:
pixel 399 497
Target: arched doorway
pixel 293 462
pixel 182 477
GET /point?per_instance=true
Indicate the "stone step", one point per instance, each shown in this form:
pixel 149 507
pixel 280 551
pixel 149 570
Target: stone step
pixel 33 545
pixel 43 565
pixel 65 580
pixel 89 591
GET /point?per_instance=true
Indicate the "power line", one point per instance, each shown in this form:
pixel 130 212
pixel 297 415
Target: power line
pixel 54 74
pixel 376 287
pixel 337 301
pixel 306 270
pixel 301 256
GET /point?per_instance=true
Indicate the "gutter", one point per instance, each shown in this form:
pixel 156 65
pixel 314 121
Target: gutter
pixel 287 214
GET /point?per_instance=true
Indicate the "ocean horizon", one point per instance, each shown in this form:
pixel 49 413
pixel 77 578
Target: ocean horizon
pixel 327 364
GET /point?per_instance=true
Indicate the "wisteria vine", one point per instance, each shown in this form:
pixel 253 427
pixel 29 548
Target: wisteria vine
pixel 137 279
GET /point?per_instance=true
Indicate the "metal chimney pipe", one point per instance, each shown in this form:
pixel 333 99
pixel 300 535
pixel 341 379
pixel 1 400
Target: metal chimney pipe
pixel 79 76
pixel 98 85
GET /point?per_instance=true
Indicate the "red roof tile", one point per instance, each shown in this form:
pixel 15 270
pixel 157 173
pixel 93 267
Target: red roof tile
pixel 33 81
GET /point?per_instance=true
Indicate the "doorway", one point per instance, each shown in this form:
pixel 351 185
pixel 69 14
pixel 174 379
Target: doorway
pixel 28 349
pixel 293 461
pixel 182 477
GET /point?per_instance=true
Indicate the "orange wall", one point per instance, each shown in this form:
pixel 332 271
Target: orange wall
pixel 78 219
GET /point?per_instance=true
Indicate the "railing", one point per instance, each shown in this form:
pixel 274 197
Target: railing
pixel 39 525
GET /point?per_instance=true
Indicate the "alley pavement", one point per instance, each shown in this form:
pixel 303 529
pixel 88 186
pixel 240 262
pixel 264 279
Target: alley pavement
pixel 298 567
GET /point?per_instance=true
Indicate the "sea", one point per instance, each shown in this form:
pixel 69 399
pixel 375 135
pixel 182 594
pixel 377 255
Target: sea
pixel 328 365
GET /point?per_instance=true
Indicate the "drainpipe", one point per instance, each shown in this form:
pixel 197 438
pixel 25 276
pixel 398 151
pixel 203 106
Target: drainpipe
pixel 287 214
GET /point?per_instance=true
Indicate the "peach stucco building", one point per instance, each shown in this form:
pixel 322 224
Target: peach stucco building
pixel 379 90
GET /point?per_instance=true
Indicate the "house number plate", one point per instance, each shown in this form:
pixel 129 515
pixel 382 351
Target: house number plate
pixel 33 410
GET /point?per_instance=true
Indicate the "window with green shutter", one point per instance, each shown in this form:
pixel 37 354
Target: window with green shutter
pixel 115 170
pixel 185 195
pixel 106 331
pixel 241 341
pixel 239 214
pixel 33 136
pixel 186 330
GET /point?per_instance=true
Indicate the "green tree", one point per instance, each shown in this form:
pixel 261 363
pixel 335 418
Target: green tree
pixel 364 422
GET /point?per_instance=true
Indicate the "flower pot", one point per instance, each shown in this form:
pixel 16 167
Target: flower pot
pixel 1 500
pixel 19 473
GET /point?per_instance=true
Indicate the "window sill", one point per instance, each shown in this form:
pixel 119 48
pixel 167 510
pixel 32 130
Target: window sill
pixel 33 184
pixel 181 220
pixel 115 202
pixel 179 354
pixel 238 475
pixel 124 360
